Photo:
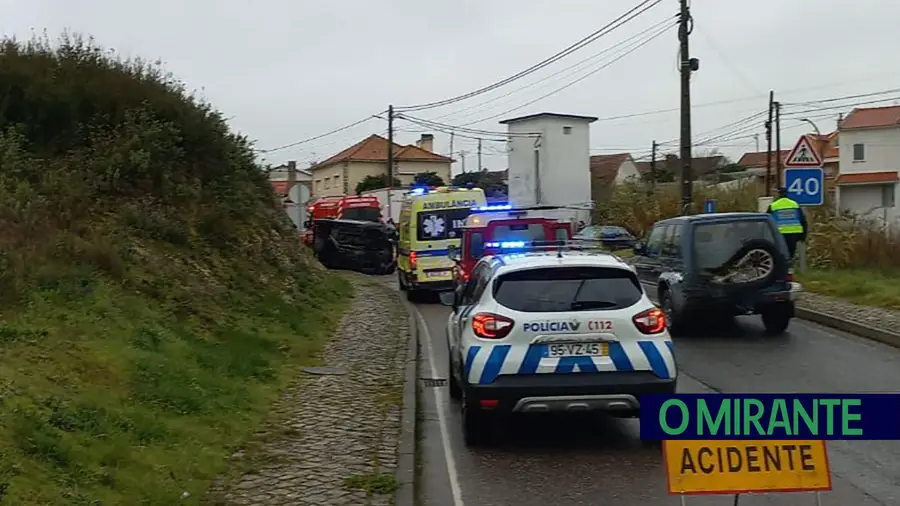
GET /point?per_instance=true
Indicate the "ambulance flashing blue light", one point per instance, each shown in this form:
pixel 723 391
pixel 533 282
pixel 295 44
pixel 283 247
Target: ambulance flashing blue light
pixel 418 191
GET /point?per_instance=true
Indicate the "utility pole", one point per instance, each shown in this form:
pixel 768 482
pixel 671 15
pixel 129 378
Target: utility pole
pixel 769 145
pixel 778 159
pixel 756 138
pixel 390 159
pixel 462 159
pixel 480 165
pixel 653 168
pixel 687 66
pixel 452 135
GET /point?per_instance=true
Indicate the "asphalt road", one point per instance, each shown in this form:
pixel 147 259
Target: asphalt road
pixel 598 460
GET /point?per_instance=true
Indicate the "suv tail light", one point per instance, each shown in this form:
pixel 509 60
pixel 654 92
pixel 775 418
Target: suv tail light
pixel 651 321
pixel 412 260
pixel 491 326
pixel 790 276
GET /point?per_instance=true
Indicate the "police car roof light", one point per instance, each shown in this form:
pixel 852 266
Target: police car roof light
pixel 493 207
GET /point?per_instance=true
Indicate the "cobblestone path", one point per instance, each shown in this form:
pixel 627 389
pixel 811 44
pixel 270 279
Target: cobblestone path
pixel 332 439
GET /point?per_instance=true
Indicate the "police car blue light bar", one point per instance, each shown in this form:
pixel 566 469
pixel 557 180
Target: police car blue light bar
pixel 495 207
pixel 418 191
pixel 505 244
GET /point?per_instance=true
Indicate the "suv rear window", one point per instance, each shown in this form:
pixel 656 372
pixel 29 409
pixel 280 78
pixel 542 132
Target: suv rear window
pixel 715 243
pixel 555 289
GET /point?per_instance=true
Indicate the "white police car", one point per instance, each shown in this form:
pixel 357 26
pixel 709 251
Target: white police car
pixel 554 331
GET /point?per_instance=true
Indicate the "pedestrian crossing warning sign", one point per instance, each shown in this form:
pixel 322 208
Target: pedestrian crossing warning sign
pixel 803 155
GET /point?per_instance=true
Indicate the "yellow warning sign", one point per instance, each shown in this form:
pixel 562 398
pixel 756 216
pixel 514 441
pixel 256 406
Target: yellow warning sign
pixel 745 466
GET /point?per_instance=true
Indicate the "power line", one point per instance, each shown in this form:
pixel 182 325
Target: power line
pixel 634 12
pixel 572 83
pixel 326 134
pixel 474 131
pixel 577 64
pixel 846 97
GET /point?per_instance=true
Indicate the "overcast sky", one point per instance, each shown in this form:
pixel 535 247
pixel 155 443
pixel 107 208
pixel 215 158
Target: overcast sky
pixel 286 70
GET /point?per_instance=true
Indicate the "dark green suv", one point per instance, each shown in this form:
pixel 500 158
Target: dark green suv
pixel 711 265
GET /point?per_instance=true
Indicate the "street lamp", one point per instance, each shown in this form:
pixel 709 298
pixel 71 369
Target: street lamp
pixel 807 120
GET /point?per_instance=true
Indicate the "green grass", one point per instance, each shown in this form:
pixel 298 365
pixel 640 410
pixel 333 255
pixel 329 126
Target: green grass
pixel 108 398
pixel 375 483
pixel 864 287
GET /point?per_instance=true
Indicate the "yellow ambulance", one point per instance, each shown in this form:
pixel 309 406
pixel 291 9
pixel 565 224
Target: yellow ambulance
pixel 430 223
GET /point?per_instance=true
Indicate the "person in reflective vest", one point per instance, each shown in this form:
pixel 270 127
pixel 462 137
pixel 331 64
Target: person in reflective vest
pixel 790 219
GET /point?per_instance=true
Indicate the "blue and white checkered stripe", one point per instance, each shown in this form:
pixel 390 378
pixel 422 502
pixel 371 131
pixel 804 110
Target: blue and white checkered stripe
pixel 484 363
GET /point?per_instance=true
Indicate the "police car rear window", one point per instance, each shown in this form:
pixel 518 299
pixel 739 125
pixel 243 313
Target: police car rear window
pixel 716 243
pixel 556 289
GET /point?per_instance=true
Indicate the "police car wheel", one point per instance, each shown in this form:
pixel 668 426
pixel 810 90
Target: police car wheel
pixel 400 281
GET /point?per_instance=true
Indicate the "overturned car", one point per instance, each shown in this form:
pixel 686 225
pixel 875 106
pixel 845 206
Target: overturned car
pixel 363 246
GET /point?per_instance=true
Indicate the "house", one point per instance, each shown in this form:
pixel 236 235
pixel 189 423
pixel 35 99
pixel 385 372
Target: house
pixel 755 164
pixel 826 145
pixel 286 175
pixel 870 163
pixel 292 187
pixel 615 169
pixel 340 174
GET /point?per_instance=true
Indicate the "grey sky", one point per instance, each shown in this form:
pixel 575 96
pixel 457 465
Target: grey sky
pixel 291 69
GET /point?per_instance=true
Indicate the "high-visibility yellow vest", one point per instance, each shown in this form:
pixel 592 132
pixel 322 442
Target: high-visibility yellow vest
pixel 787 215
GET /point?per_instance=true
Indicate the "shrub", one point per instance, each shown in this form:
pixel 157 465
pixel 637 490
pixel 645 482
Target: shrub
pixel 834 241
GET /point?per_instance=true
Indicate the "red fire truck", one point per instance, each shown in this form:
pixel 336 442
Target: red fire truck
pixel 490 229
pixel 344 207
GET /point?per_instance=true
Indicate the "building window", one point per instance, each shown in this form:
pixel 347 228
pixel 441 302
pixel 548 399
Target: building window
pixel 887 195
pixel 567 130
pixel 859 152
pixel 318 184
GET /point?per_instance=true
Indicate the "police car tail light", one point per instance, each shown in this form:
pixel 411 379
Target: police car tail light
pixel 651 321
pixel 491 326
pixel 412 259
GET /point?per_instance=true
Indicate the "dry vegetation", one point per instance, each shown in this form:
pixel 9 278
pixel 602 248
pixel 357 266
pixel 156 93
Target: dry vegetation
pixel 153 298
pixel 850 258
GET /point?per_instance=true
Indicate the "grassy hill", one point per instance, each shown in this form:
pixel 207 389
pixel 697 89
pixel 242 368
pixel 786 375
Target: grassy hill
pixel 153 298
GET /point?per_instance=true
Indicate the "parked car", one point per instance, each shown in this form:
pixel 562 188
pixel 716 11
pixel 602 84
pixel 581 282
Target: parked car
pixel 606 236
pixel 718 264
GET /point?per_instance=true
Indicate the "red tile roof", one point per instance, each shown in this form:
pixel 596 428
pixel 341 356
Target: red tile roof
pixel 374 149
pixel 869 178
pixel 605 168
pixel 756 160
pixel 872 117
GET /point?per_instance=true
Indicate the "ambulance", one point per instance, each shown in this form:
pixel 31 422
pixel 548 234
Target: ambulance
pixel 430 225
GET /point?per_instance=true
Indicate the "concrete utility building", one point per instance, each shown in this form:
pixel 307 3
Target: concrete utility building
pixel 549 160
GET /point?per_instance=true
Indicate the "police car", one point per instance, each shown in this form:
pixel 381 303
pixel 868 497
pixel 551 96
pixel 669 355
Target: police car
pixel 545 331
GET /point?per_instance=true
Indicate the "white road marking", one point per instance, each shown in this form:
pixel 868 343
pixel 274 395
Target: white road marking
pixel 452 473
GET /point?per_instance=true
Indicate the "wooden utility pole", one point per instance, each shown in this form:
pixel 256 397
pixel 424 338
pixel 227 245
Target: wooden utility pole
pixel 480 165
pixel 687 66
pixel 778 159
pixel 462 159
pixel 653 168
pixel 452 135
pixel 769 145
pixel 390 158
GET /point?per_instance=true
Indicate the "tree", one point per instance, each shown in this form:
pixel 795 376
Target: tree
pixel 375 183
pixel 491 182
pixel 428 179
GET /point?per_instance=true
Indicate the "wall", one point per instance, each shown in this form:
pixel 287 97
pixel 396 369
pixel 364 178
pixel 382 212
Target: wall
pixel 564 162
pixel 882 153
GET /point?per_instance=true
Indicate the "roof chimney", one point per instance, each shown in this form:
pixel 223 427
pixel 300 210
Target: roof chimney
pixel 426 143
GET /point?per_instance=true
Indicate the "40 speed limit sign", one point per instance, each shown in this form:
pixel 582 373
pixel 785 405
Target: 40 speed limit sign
pixel 805 186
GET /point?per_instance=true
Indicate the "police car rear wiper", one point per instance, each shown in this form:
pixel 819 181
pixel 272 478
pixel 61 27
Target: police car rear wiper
pixel 591 304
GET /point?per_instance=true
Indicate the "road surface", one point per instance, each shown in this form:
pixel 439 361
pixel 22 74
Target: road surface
pixel 595 460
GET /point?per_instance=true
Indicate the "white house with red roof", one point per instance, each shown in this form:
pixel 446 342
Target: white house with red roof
pixel 339 174
pixel 870 163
